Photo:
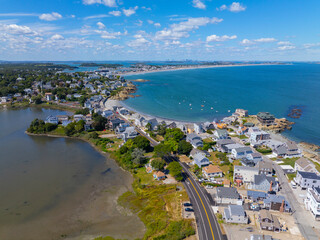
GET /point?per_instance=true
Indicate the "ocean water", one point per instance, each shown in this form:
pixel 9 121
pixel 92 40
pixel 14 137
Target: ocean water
pixel 210 94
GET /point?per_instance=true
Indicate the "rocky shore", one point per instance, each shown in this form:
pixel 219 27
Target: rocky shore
pixel 125 93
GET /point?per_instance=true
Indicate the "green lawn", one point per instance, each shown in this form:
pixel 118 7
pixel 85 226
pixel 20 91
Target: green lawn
pixel 289 161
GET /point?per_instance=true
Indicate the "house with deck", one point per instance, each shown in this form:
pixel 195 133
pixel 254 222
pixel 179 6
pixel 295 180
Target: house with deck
pixel 241 152
pixel 307 179
pixel 201 160
pixel 269 222
pixel 235 214
pixel 312 202
pixel 212 171
pixel 228 195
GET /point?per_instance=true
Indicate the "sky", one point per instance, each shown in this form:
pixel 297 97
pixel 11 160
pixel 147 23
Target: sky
pixel 207 30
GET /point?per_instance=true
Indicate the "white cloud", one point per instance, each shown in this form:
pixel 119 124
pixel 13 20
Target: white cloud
pixel 284 43
pixel 265 40
pixel 311 45
pixel 150 21
pixel 153 23
pixel 198 4
pixel 108 3
pixel 157 25
pixel 17 29
pixel 246 42
pixel 115 13
pixel 215 38
pixel 234 7
pixel 139 41
pixel 96 16
pixel 286 47
pixel 146 8
pixel 108 35
pixel 50 16
pixel 101 25
pixel 139 23
pixel 182 29
pixel 57 37
pixel 130 11
pixel 19 15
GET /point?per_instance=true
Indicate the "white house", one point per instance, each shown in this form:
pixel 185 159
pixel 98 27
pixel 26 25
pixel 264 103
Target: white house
pixel 235 214
pixel 241 152
pixel 221 134
pixel 212 171
pixel 201 160
pixel 305 165
pixel 242 174
pixel 312 202
pixel 52 119
pixel 198 128
pixel 228 195
pixel 307 180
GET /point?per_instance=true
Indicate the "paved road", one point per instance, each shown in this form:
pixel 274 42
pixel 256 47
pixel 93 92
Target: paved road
pixel 208 226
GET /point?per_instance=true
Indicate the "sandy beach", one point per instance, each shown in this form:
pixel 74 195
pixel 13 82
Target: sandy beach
pixel 196 67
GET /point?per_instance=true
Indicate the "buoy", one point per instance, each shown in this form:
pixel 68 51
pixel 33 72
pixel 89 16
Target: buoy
pixel 211 107
pixel 179 103
pixel 229 111
pixel 190 104
pixel 202 105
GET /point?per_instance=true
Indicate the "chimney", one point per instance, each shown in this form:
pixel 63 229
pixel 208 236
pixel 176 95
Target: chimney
pixel 282 206
pixel 270 187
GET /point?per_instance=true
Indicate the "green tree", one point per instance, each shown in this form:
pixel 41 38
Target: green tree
pixel 149 126
pixel 174 133
pixel 138 157
pixel 162 150
pixel 79 126
pixel 162 128
pixel 175 170
pixel 69 129
pixel 99 122
pixel 142 143
pixel 173 144
pixel 184 147
pixel 158 164
pixel 36 99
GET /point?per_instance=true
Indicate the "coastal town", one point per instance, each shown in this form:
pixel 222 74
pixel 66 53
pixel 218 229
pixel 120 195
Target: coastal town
pixel 258 183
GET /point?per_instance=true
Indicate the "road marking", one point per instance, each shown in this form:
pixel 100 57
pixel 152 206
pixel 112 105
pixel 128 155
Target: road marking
pixel 203 208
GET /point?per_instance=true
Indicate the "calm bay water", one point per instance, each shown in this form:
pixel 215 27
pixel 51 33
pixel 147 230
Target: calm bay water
pixel 213 93
pixel 53 187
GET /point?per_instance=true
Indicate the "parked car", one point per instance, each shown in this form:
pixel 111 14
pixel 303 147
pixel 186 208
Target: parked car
pixel 189 210
pixel 187 204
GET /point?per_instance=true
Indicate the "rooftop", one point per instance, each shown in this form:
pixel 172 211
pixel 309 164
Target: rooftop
pixel 226 192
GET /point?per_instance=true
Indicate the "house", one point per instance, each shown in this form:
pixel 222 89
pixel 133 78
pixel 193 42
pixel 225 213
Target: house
pixel 287 169
pixel 208 126
pixel 122 127
pixel 221 125
pixel 52 119
pixel 48 96
pixel 153 123
pixel 312 202
pixel 280 151
pixel 62 118
pixel 195 151
pixel 254 157
pixel 201 160
pixel 293 150
pixel 242 130
pixel 276 203
pixel 265 168
pixel 228 148
pixel 123 111
pixel 65 123
pixel 195 140
pixel 172 125
pixel 256 196
pixel 222 143
pixel 256 135
pixel 248 124
pixel 212 171
pixel 242 174
pixel 158 175
pixel 241 152
pixel 241 112
pixel 113 123
pixel 265 118
pixel 305 165
pixel 107 113
pixel 5 99
pixel 269 222
pixel 228 195
pixel 88 117
pixel 129 133
pixel 221 134
pixel 198 128
pixel 307 179
pixel 78 117
pixel 88 125
pixel 235 214
pixel 264 183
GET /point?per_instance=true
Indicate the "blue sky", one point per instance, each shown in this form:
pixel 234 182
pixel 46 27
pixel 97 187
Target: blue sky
pixel 285 30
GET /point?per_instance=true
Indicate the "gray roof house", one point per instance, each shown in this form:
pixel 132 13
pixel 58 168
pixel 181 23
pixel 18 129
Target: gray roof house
pixel 129 133
pixel 227 195
pixel 195 140
pixel 265 168
pixel 222 143
pixel 235 214
pixel 276 203
pixel 221 134
pixel 307 179
pixel 201 160
pixel 305 165
pixel 195 151
pixel 52 119
pixel 241 152
pixel 262 182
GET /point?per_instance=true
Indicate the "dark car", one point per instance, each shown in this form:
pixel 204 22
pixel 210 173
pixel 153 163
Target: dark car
pixel 188 209
pixel 187 204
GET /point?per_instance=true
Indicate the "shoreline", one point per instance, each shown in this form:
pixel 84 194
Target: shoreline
pixel 200 67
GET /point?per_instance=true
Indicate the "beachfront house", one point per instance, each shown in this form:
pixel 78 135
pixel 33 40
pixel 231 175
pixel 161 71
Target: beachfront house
pixel 292 150
pixel 312 202
pixel 201 160
pixel 235 214
pixel 241 112
pixel 265 118
pixel 307 179
pixel 52 119
pixel 305 165
pixel 198 128
pixel 212 171
pixel 228 195
pixel 152 122
pixel 221 134
pixel 241 152
pixel 195 140
pixel 256 135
